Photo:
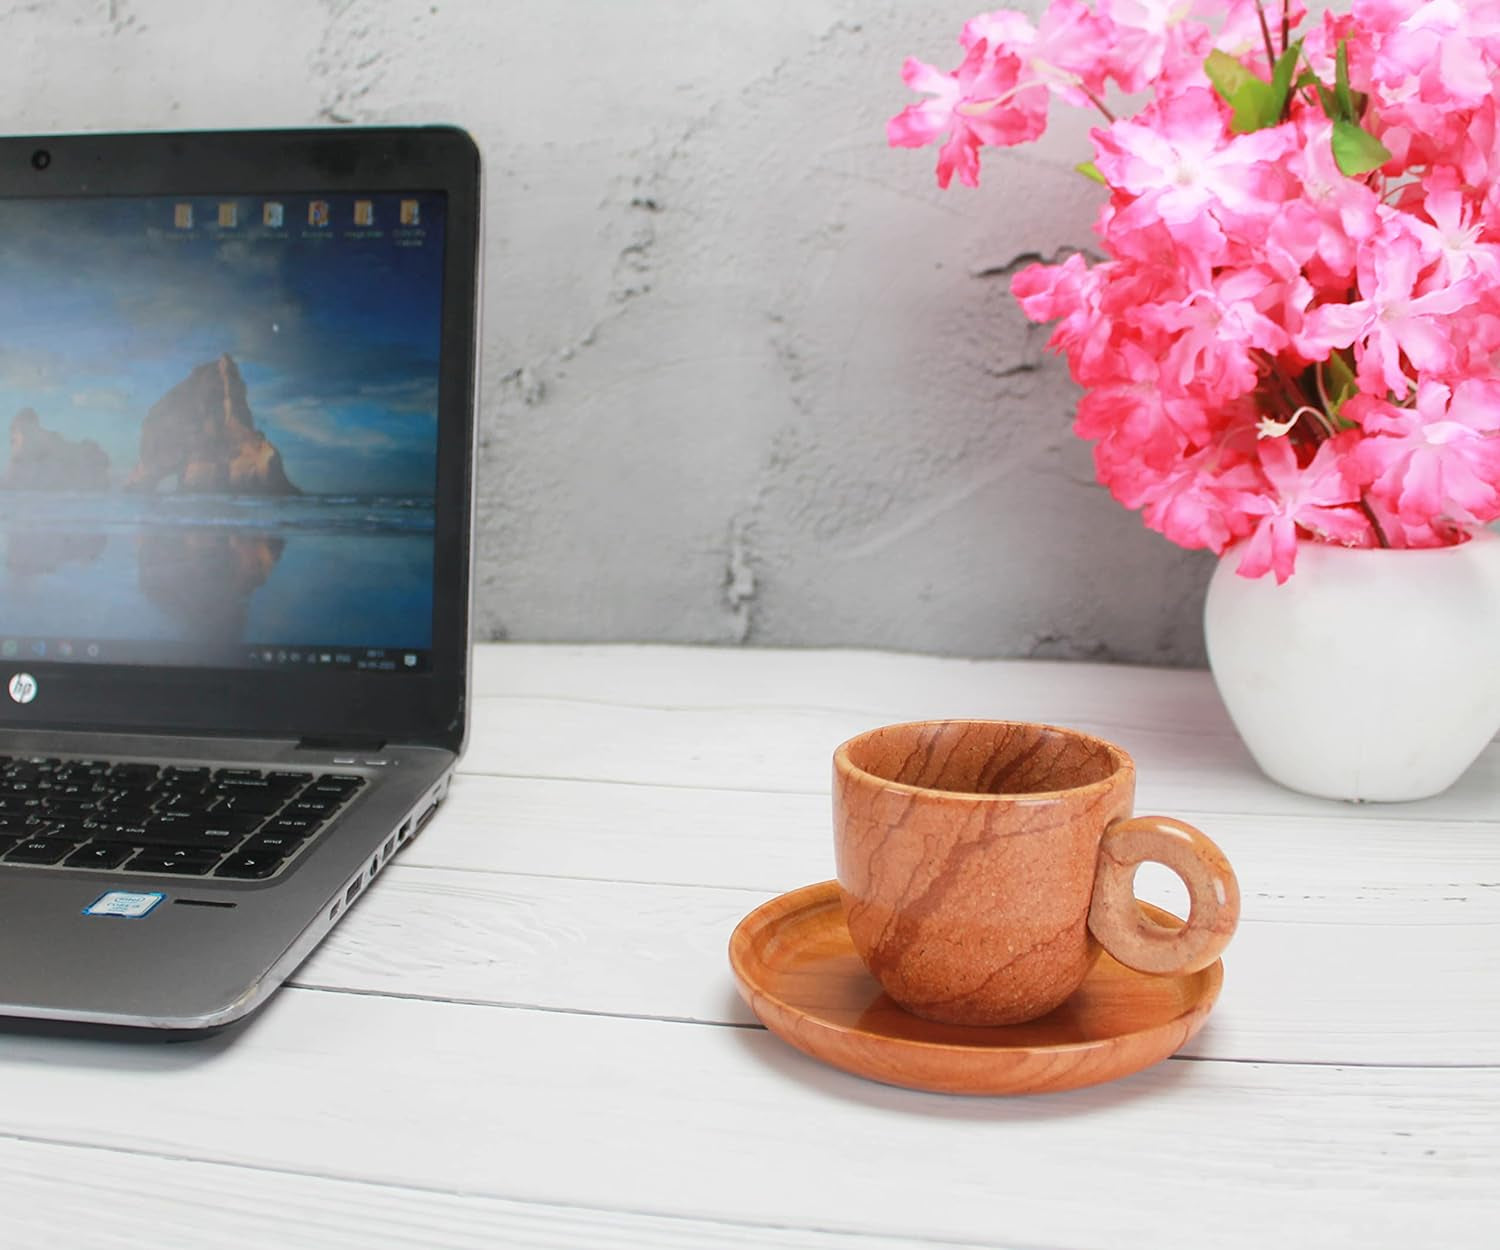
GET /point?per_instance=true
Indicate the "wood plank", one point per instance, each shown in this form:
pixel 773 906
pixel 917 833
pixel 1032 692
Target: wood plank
pixel 1301 992
pixel 868 683
pixel 1326 868
pixel 728 1124
pixel 57 1195
pixel 1181 763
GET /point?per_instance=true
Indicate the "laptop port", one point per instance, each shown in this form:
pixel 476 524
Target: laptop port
pixel 421 821
pixel 353 892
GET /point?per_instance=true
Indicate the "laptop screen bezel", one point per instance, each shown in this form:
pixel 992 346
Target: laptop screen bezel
pixel 330 707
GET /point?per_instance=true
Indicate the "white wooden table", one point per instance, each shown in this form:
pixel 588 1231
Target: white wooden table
pixel 526 1033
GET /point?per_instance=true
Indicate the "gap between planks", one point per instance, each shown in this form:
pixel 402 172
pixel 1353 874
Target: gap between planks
pixel 482 1003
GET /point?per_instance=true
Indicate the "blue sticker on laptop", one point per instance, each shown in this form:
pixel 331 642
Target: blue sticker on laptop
pixel 127 904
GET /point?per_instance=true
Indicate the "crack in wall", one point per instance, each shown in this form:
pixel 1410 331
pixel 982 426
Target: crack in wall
pixel 1017 263
pixel 740 586
pixel 350 62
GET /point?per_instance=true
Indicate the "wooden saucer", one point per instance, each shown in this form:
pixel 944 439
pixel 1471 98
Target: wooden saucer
pixel 797 969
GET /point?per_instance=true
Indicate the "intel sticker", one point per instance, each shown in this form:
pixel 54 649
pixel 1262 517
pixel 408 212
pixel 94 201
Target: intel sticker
pixel 124 903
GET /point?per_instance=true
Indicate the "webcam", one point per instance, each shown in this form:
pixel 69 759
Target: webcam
pixel 40 159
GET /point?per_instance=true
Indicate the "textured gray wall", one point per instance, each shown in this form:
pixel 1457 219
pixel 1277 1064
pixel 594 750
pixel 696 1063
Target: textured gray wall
pixel 749 377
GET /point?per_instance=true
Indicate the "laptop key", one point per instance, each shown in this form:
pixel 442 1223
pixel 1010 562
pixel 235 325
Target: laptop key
pixel 113 831
pixel 185 862
pixel 220 840
pixel 249 865
pixel 38 851
pixel 256 804
pixel 330 782
pixel 274 844
pixel 300 825
pixel 233 822
pixel 99 855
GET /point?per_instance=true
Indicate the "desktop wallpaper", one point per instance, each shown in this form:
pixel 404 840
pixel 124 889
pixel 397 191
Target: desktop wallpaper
pixel 218 426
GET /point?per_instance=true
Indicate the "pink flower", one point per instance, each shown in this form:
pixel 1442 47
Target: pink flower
pixel 1069 51
pixel 984 101
pixel 1204 501
pixel 1313 498
pixel 1218 328
pixel 1439 459
pixel 1142 414
pixel 1157 40
pixel 1393 317
pixel 1432 48
pixel 1184 169
pixel 1453 231
pixel 1333 216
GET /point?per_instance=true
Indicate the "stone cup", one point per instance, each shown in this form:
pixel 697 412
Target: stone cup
pixel 983 864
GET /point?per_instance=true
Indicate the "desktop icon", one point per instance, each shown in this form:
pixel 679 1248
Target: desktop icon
pixel 9 647
pixel 273 215
pixel 182 216
pixel 93 650
pixel 229 215
pixel 364 213
pixel 65 649
pixel 317 213
pixel 411 213
pixel 411 660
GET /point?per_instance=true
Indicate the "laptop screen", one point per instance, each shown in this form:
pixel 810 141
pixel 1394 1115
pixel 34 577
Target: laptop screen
pixel 222 419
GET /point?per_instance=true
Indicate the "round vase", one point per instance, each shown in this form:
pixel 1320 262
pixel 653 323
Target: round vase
pixel 1367 675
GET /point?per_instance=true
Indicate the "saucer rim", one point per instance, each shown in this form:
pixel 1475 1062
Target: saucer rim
pixel 821 894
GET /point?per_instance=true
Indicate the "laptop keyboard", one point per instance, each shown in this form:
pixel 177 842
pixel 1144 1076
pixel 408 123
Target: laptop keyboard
pixel 244 824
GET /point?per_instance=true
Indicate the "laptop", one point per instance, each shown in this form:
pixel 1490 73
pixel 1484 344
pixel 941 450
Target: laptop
pixel 237 388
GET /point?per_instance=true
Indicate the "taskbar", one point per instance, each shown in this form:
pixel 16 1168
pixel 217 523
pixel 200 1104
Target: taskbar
pixel 278 656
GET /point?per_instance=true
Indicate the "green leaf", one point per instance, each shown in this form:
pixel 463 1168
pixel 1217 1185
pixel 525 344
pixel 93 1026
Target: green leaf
pixel 1089 170
pixel 1252 100
pixel 1226 74
pixel 1356 150
pixel 1330 105
pixel 1281 77
pixel 1345 385
pixel 1343 372
pixel 1341 90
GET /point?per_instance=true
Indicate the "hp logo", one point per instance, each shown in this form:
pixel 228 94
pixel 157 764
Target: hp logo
pixel 23 687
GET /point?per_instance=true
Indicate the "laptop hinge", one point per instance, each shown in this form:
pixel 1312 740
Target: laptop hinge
pixel 350 743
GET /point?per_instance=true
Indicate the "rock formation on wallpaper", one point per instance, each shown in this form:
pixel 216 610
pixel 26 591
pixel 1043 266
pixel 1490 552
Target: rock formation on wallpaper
pixel 42 459
pixel 201 432
pixel 203 580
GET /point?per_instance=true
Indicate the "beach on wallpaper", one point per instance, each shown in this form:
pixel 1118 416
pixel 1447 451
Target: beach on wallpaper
pixel 217 437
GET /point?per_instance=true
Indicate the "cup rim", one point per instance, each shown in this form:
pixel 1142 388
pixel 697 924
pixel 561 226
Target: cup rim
pixel 1122 758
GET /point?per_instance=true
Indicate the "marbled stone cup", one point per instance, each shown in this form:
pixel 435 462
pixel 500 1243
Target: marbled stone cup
pixel 983 863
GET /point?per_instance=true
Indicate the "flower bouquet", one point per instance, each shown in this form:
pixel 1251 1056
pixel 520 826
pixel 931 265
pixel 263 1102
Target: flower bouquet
pixel 1294 329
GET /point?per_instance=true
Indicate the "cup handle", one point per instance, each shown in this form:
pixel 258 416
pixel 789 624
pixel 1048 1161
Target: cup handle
pixel 1122 925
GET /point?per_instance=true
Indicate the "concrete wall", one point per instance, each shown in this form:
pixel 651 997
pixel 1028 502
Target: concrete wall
pixel 749 377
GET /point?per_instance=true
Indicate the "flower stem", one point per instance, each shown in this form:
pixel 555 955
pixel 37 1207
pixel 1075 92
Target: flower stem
pixel 1364 506
pixel 1098 104
pixel 1265 30
pixel 1286 24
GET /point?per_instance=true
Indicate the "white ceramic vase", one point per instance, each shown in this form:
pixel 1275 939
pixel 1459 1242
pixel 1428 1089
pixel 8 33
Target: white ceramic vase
pixel 1367 675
